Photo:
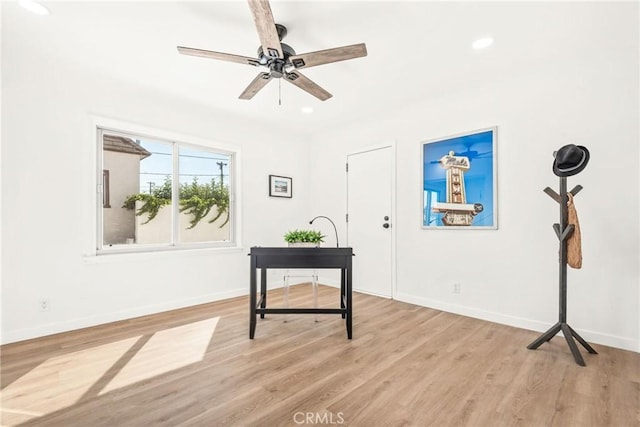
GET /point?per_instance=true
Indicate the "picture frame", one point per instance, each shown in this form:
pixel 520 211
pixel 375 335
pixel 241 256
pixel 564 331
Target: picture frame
pixel 459 181
pixel 280 186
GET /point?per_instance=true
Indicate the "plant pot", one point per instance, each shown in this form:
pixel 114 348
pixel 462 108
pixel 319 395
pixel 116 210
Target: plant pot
pixel 303 245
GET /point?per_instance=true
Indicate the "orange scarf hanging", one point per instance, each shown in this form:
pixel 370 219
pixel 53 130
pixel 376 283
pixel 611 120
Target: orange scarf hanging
pixel 574 242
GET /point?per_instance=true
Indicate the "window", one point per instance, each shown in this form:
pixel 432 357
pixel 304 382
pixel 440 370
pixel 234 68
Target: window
pixel 158 193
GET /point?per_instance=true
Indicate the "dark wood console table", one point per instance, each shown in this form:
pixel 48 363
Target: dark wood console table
pixel 264 258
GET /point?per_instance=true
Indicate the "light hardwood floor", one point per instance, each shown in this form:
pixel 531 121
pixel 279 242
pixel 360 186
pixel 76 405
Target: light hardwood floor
pixel 406 366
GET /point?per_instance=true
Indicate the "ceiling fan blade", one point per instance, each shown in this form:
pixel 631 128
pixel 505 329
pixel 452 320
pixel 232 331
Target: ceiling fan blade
pixel 307 85
pixel 258 83
pixel 327 56
pixel 218 55
pixel 266 27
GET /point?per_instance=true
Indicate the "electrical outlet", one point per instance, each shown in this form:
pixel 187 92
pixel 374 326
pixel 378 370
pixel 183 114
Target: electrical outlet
pixel 44 304
pixel 456 288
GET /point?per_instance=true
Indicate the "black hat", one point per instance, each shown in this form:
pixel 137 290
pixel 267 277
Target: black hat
pixel 570 160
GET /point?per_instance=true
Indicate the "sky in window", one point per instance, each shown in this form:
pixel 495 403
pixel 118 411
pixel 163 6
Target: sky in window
pixel 202 164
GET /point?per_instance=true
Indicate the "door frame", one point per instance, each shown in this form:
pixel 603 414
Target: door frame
pixel 366 149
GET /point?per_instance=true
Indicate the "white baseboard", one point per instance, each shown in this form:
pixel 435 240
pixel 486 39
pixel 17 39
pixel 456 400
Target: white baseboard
pixel 85 322
pixel 329 282
pixel 321 280
pixel 624 343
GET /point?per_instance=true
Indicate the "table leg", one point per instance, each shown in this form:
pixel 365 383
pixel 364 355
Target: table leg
pixel 349 300
pixel 263 290
pixel 252 299
pixel 342 290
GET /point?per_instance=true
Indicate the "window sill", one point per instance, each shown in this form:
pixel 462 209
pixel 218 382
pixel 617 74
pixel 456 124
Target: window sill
pixel 156 253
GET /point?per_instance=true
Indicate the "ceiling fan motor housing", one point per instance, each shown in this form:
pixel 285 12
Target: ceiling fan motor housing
pixel 276 65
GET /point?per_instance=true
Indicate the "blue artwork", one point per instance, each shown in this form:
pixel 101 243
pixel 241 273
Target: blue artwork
pixel 459 181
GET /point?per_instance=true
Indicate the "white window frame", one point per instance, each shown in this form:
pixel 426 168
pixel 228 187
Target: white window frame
pixel 129 130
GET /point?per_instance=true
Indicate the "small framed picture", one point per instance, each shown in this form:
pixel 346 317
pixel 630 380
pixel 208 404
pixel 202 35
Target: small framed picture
pixel 280 186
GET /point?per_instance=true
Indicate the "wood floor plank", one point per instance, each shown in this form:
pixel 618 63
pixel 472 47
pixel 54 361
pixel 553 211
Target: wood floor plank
pixel 405 366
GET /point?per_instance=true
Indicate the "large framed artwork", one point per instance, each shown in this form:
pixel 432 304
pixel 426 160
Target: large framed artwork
pixel 459 181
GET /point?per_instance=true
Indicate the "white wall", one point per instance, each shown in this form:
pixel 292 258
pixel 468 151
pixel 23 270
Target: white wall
pixel 1 241
pixel 510 275
pixel 48 177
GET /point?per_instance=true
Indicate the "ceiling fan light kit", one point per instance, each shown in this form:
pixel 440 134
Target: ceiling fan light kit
pixel 279 58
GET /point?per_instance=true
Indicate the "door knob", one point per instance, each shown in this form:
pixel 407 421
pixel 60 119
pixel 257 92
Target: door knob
pixel 385 225
pixel 386 218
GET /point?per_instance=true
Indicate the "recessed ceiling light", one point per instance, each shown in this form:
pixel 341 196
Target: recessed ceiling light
pixel 34 7
pixel 307 110
pixel 482 43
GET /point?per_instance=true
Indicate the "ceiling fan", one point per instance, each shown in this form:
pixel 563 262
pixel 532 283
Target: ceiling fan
pixel 280 59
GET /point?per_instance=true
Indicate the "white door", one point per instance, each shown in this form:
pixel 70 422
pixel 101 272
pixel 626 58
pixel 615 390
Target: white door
pixel 369 221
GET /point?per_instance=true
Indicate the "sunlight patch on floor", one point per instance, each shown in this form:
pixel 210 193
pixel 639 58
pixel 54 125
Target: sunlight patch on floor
pixel 59 382
pixel 62 381
pixel 167 350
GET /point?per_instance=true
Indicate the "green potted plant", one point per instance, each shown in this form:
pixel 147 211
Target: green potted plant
pixel 304 238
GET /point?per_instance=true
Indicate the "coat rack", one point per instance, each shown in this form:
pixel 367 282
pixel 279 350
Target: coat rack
pixel 563 231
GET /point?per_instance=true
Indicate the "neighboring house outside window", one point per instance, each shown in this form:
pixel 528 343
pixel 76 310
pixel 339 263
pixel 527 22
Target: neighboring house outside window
pixel 121 157
pixel 142 177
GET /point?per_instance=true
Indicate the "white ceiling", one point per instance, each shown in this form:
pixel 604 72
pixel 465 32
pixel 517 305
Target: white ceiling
pixel 416 50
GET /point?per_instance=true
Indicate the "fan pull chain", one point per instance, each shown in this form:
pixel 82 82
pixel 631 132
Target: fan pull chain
pixel 280 92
